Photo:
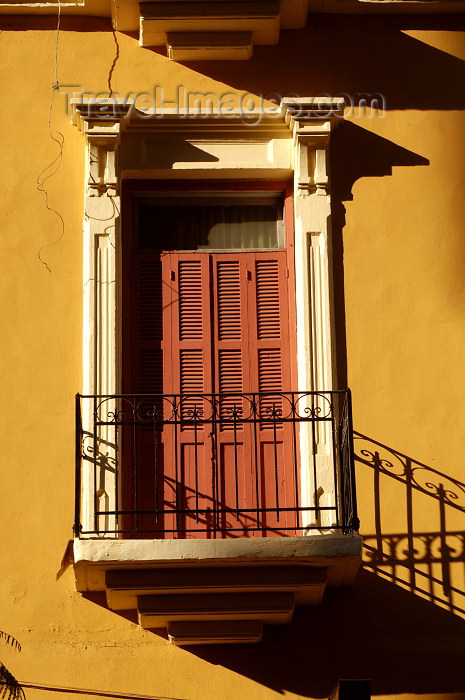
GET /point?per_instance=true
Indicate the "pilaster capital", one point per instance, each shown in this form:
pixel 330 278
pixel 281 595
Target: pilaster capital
pixel 101 122
pixel 313 117
pixel 312 120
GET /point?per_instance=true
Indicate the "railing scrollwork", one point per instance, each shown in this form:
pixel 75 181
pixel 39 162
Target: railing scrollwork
pixel 211 465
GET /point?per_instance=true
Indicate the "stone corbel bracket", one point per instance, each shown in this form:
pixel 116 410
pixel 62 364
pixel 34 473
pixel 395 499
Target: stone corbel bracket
pixel 101 124
pixel 312 121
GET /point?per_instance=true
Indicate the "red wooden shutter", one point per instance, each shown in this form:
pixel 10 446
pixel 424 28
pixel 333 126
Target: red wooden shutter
pixel 269 358
pixel 193 324
pixel 144 369
pixel 229 295
pixel 188 359
pixel 146 325
pixel 213 323
pixel 228 290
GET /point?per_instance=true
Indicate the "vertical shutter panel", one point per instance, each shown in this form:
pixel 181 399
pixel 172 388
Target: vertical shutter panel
pixel 230 378
pixel 229 301
pixel 192 382
pixel 268 316
pixel 190 300
pixel 193 333
pixel 150 300
pixel 269 323
pixel 151 371
pixel 269 370
pixel 270 379
pixel 229 336
pixel 191 363
pixel 148 335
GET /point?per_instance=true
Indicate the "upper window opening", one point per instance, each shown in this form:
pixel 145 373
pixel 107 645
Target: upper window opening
pixel 208 223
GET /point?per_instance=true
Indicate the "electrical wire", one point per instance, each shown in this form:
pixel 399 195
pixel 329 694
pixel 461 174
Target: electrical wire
pixel 59 139
pixel 99 693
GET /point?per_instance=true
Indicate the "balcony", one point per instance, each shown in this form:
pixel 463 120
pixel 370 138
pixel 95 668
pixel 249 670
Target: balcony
pixel 209 29
pixel 211 514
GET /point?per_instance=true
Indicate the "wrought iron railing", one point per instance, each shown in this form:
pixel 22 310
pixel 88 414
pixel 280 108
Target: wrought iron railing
pixel 214 465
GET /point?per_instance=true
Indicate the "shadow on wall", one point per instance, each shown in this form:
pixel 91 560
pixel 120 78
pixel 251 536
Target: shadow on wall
pixel 429 563
pixel 377 630
pixel 355 153
pixel 355 55
pixel 401 625
pixel 10 688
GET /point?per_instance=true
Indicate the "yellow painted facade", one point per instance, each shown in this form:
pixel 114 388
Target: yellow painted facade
pixel 398 210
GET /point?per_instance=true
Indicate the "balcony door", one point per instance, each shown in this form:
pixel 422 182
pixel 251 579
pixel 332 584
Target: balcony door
pixel 207 352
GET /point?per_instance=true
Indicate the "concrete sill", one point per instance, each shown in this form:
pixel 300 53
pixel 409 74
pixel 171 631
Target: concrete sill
pixel 215 591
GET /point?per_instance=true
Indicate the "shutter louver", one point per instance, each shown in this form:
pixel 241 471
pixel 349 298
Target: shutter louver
pixel 191 370
pixel 151 382
pixel 270 379
pixel 151 372
pixel 190 300
pixel 269 369
pixel 191 336
pixel 230 378
pixel 268 316
pixel 229 324
pixel 150 290
pixel 229 301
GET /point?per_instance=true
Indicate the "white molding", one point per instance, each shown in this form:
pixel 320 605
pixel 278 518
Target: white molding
pixel 315 322
pixel 340 553
pixel 101 218
pixel 210 25
pixel 209 46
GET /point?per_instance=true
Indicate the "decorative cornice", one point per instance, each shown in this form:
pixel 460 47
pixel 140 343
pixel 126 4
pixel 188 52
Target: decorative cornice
pixel 312 120
pixel 306 117
pixel 313 116
pixel 206 29
pixel 308 121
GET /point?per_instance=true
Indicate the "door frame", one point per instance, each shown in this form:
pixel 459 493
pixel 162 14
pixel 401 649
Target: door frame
pixel 131 188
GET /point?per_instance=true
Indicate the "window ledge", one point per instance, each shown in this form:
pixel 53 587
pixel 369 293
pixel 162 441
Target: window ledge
pixel 215 591
pixel 93 557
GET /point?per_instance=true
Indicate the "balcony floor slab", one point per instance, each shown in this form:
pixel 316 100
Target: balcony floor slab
pixel 340 554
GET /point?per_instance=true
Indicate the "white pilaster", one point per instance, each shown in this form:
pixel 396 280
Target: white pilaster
pixel 314 305
pixel 101 222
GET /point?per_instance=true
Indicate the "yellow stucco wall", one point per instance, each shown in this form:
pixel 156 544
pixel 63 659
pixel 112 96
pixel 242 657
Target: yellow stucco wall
pixel 399 239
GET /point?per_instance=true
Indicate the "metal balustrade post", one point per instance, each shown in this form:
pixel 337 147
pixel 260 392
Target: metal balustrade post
pixel 77 479
pixel 267 492
pixel 355 524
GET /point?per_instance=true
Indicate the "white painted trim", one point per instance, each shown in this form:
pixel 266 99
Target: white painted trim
pixel 99 348
pixel 341 554
pixel 283 548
